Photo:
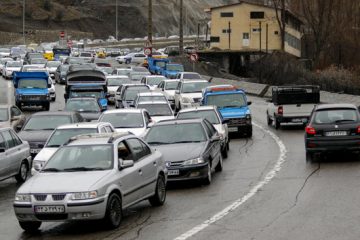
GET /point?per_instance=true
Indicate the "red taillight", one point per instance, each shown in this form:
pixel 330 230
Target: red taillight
pixel 310 130
pixel 280 110
pixel 358 129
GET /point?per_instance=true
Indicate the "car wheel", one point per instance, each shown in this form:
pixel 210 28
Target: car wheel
pixel 30 226
pixel 18 105
pixel 53 99
pixel 160 193
pixel 224 151
pixel 309 157
pixel 208 178
pixel 219 166
pixel 249 133
pixel 277 123
pixel 47 106
pixel 269 120
pixel 23 173
pixel 228 145
pixel 113 215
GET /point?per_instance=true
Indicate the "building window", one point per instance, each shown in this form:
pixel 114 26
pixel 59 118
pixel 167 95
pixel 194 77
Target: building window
pixel 214 39
pixel 227 14
pixel 224 31
pixel 256 30
pixel 276 32
pixel 256 15
pixel 292 41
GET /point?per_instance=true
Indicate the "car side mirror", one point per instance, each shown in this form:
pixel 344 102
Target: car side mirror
pixel 150 124
pixel 249 103
pixel 125 164
pixel 132 105
pixel 18 127
pixel 215 138
pixel 2 150
pixel 225 121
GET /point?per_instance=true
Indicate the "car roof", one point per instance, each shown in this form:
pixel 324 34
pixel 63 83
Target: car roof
pixel 194 81
pixel 200 108
pixel 58 113
pixel 189 73
pixel 117 76
pixel 143 94
pixel 96 138
pixel 153 102
pixel 171 80
pixel 180 121
pixel 124 110
pixel 82 125
pixel 155 76
pixel 335 105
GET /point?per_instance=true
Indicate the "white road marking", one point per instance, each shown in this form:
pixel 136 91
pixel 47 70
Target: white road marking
pixel 268 177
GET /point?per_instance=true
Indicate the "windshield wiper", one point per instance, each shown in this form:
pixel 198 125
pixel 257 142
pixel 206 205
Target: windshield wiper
pixel 50 170
pixel 159 143
pixel 75 169
pixel 344 120
pixel 186 142
pixel 54 146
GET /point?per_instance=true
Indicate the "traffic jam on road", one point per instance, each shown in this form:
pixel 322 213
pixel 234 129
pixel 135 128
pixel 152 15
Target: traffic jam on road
pixel 129 126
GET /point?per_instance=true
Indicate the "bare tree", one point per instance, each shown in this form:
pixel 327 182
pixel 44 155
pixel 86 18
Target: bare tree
pixel 280 10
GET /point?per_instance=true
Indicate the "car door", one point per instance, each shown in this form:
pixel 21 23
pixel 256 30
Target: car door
pixel 4 160
pixel 131 178
pixel 214 147
pixel 147 164
pixel 11 154
pixel 20 153
pixel 17 118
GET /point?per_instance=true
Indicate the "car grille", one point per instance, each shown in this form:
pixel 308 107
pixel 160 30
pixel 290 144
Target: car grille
pixel 236 121
pixel 51 216
pixel 34 145
pixel 58 197
pixel 197 100
pixel 40 197
pixel 33 97
pixel 174 164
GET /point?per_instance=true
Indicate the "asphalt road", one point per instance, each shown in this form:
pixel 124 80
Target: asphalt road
pixel 266 191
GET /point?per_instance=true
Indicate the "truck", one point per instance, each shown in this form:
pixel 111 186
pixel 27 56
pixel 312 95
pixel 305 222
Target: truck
pixel 31 89
pixel 86 81
pixel 170 70
pixel 156 64
pixel 233 106
pixel 292 104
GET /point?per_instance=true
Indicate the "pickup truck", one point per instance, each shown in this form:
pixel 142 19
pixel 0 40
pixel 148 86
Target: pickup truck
pixel 292 104
pixel 170 70
pixel 156 64
pixel 31 89
pixel 233 106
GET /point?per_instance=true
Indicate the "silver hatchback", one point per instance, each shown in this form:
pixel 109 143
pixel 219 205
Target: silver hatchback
pixel 100 175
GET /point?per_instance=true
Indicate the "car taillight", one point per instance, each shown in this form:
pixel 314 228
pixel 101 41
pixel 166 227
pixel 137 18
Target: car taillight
pixel 310 130
pixel 358 129
pixel 280 110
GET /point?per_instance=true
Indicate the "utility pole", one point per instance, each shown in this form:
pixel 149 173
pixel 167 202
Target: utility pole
pixel 24 38
pixel 181 31
pixel 150 12
pixel 116 24
pixel 229 32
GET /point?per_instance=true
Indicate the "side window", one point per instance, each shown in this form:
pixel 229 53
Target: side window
pixel 109 129
pixel 124 152
pixel 137 148
pixel 178 86
pixel 2 142
pixel 15 111
pixel 16 139
pixel 8 138
pixel 147 118
pixel 210 128
pixel 102 130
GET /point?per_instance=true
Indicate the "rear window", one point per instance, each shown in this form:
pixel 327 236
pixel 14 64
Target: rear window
pixel 337 116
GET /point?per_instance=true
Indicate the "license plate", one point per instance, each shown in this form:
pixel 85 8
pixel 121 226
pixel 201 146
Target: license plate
pixel 296 120
pixel 336 133
pixel 173 172
pixel 49 209
pixel 233 129
pixel 35 150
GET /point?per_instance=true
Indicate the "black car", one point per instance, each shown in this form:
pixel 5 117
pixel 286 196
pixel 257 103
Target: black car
pixel 40 125
pixel 88 108
pixel 191 148
pixel 332 127
pixel 60 74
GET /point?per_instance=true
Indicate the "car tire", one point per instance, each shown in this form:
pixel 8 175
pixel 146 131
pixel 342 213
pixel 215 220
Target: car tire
pixel 219 166
pixel 160 193
pixel 208 177
pixel 18 105
pixel 53 99
pixel 22 175
pixel 224 151
pixel 113 215
pixel 249 132
pixel 228 145
pixel 277 123
pixel 32 226
pixel 47 106
pixel 269 120
pixel 309 157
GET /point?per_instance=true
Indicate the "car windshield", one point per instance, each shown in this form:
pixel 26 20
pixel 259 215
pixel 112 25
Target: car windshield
pixel 76 61
pixel 178 68
pixel 14 64
pixel 331 116
pixel 107 70
pixel 140 69
pixel 210 115
pixel 131 93
pixel 157 109
pixel 137 77
pixel 160 64
pixel 227 100
pixel 191 76
pixel 61 136
pixel 53 64
pixel 154 80
pixel 123 120
pixel 81 158
pixel 94 94
pixel 151 98
pixel 38 61
pixel 32 83
pixel 83 54
pixel 171 85
pixel 64 68
pixel 4 115
pixel 124 72
pixel 194 87
pixel 174 133
pixel 46 122
pixel 82 105
pixel 117 81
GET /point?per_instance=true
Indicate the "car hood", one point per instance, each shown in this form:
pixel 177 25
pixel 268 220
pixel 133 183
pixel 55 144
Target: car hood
pixel 136 131
pixel 89 116
pixel 44 182
pixel 35 136
pixel 13 69
pixel 45 154
pixel 181 151
pixel 161 118
pixel 191 95
pixel 234 112
pixel 112 88
pixel 32 91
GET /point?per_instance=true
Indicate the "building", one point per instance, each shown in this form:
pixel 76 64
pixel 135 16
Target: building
pixel 250 27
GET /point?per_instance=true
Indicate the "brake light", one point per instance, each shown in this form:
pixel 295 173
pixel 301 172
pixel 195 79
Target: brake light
pixel 280 110
pixel 358 129
pixel 310 130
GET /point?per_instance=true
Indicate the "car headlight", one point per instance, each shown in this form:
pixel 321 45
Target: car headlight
pixel 38 165
pixel 23 198
pixel 194 161
pixel 84 195
pixel 248 116
pixel 187 100
pixel 20 96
